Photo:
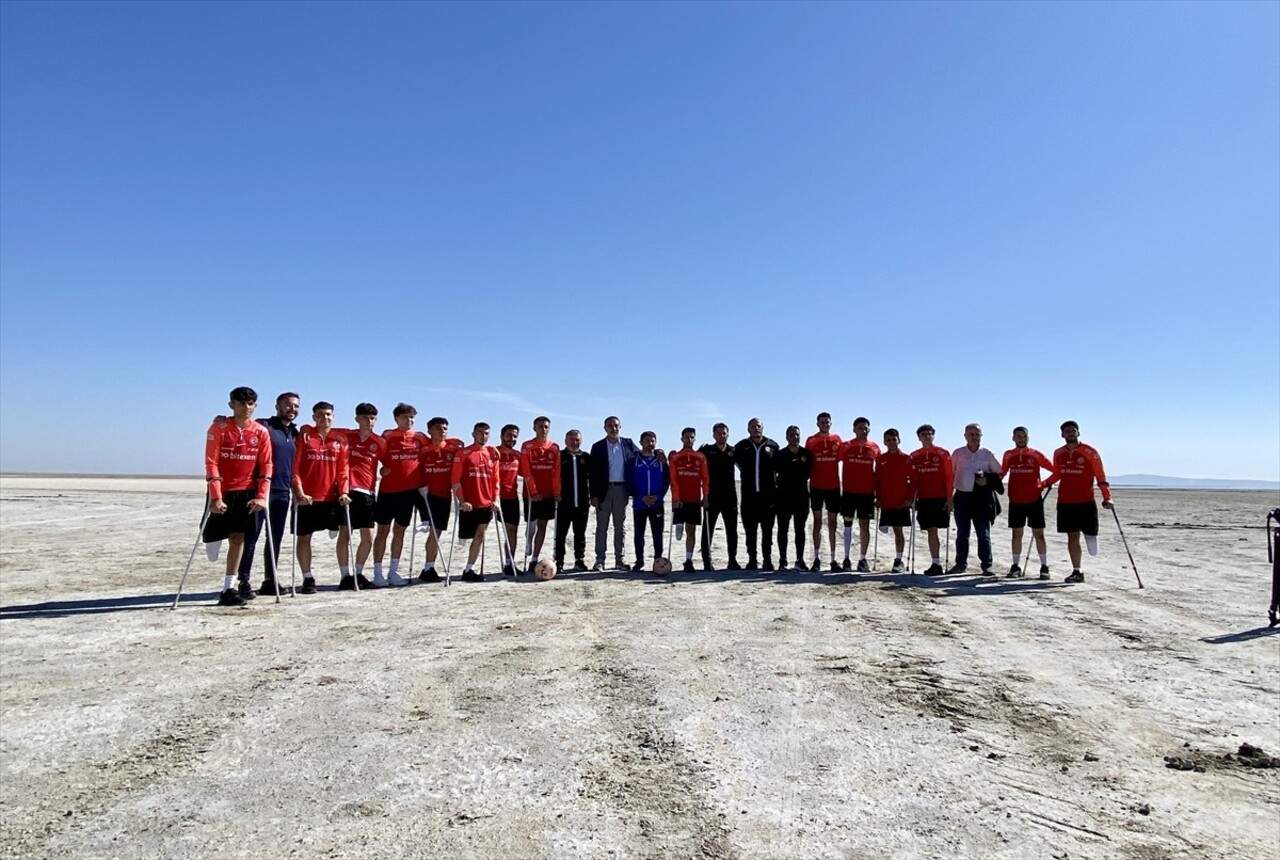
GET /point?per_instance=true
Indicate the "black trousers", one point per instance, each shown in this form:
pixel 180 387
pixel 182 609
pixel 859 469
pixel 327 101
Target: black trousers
pixel 279 504
pixel 795 513
pixel 568 516
pixel 757 516
pixel 655 519
pixel 729 510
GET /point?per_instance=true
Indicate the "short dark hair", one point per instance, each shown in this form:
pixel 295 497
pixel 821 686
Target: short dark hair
pixel 1020 429
pixel 924 428
pixel 720 425
pixel 435 421
pixel 1066 424
pixel 861 420
pixel 480 425
pixel 322 404
pixel 613 418
pixel 366 409
pixel 826 415
pixel 649 433
pixel 404 409
pixel 541 418
pixel 506 427
pixel 794 427
pixel 893 431
pixel 689 430
pixel 292 394
pixel 243 394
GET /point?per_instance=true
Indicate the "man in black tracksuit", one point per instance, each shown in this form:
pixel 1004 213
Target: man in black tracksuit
pixel 722 497
pixel 792 465
pixel 754 458
pixel 575 501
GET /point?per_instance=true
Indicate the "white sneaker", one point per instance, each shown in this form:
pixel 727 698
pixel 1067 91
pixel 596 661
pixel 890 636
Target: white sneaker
pixel 212 549
pixel 379 581
pixel 395 580
pixel 423 528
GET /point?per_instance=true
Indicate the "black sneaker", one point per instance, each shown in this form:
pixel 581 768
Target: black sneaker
pixel 231 597
pixel 958 568
pixel 346 583
pixel 733 564
pixel 751 564
pixel 598 567
pixel 428 574
pixel 269 587
pixel 846 565
pixel 934 569
pixel 898 566
pixel 987 571
pixel 579 566
pixel 782 564
pixel 816 565
pixel 364 581
pixel 620 564
pixel 308 585
pixel 1076 576
pixel 508 570
pixel 635 568
pixel 1015 572
pixel 836 567
pixel 688 565
pixel 801 566
pixel 1044 571
pixel 863 567
pixel 471 576
pixel 245 590
pixel 767 567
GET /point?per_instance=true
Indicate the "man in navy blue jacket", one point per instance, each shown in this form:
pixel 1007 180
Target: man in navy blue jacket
pixel 647 479
pixel 609 458
pixel 283 435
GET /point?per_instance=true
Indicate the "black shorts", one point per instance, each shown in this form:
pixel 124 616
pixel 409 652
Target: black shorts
pixel 932 514
pixel 895 517
pixel 861 506
pixel 237 519
pixel 1078 517
pixel 1026 514
pixel 438 508
pixel 399 507
pixel 689 513
pixel 469 520
pixel 318 517
pixel 819 498
pixel 361 508
pixel 510 511
pixel 543 509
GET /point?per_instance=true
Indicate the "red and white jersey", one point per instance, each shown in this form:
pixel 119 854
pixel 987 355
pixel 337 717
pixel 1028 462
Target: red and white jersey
pixel 235 457
pixel 321 464
pixel 858 460
pixel 825 474
pixel 404 448
pixel 437 465
pixel 508 472
pixel 365 455
pixel 1022 468
pixel 475 475
pixel 540 466
pixel 690 478
pixel 893 479
pixel 932 473
pixel 1078 469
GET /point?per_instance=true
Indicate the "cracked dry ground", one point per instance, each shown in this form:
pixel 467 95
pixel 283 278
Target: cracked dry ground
pixel 783 715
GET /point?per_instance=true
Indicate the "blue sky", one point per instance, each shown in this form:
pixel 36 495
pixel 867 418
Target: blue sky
pixel 676 213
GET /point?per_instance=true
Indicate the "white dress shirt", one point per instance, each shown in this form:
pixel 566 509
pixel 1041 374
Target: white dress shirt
pixel 969 463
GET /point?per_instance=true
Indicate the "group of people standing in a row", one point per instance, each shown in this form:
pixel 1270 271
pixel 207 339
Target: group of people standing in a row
pixel 359 481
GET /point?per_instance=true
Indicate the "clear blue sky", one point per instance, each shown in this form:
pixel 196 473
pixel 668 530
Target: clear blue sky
pixel 1012 213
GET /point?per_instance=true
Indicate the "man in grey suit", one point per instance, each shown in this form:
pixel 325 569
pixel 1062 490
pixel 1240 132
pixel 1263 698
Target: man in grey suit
pixel 609 458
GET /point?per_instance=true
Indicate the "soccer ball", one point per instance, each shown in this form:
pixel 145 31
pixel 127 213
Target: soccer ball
pixel 661 566
pixel 545 569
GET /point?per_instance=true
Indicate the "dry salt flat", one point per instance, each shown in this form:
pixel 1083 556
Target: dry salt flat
pixel 620 715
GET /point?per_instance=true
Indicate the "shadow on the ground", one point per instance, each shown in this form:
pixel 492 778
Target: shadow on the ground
pixel 97 606
pixel 1242 636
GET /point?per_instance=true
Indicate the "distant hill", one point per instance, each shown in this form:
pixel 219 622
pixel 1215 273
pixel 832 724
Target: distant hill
pixel 1164 481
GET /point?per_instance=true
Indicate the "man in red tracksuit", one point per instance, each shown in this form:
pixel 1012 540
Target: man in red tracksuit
pixel 398 495
pixel 475 486
pixel 322 488
pixel 1022 465
pixel 540 468
pixel 437 474
pixel 933 482
pixel 858 485
pixel 893 493
pixel 509 495
pixel 824 487
pixel 690 484
pixel 1079 466
pixel 366 450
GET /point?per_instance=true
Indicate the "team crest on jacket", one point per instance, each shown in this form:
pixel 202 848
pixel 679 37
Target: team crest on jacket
pixel 253 440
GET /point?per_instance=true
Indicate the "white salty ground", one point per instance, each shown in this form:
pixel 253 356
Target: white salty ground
pixel 619 715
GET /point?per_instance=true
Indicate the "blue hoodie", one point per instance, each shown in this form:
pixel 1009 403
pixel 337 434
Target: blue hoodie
pixel 646 476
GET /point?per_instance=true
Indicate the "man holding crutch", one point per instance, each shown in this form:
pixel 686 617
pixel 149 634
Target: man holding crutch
pixel 858 491
pixel 238 469
pixel 1022 465
pixel 824 486
pixel 365 447
pixel 475 486
pixel 893 493
pixel 932 482
pixel 322 486
pixel 1079 466
pixel 398 496
pixel 437 470
pixel 574 506
pixel 509 495
pixel 540 468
